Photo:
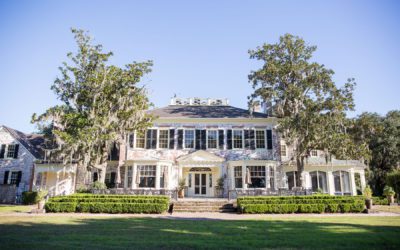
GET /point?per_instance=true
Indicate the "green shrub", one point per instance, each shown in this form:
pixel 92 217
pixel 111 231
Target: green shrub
pixel 29 198
pixel 300 204
pixel 60 207
pixel 97 185
pixel 89 203
pixel 379 200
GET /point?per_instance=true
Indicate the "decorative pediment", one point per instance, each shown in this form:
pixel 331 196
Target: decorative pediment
pixel 200 156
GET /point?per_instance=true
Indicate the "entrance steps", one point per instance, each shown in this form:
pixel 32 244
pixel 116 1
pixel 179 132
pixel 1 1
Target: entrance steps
pixel 204 206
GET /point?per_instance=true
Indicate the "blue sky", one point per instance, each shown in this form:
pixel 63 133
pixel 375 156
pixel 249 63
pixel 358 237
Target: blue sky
pixel 199 48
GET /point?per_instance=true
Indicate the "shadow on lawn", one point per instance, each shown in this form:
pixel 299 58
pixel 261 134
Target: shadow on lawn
pixel 95 233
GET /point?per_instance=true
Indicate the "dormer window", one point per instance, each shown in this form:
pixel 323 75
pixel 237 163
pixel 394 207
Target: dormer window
pixel 314 153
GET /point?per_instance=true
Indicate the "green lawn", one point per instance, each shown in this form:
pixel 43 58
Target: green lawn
pixel 66 232
pixel 16 208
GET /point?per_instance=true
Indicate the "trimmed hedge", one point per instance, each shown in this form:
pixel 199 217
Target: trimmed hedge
pixel 87 203
pixel 29 198
pixel 376 200
pixel 301 204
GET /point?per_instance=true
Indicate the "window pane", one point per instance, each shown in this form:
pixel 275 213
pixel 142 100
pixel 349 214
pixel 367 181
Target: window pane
pixel 346 182
pixel 140 139
pixel 336 178
pixel 238 177
pixel 212 139
pixel 260 139
pixel 291 179
pixel 283 150
pixel 322 181
pixel 257 175
pixel 163 139
pixel 314 181
pixel 147 175
pixel 189 138
pixel 10 151
pixel 237 139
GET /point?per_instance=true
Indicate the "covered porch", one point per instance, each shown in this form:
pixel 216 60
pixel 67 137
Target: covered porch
pixel 56 178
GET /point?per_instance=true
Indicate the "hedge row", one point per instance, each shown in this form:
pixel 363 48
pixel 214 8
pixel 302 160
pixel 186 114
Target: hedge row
pixel 301 204
pixel 108 204
pixel 380 201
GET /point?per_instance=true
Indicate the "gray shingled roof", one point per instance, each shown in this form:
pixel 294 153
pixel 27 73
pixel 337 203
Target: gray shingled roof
pixel 32 142
pixel 187 111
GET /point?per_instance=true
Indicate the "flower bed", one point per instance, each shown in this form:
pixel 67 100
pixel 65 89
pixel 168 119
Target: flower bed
pixel 301 204
pixel 87 203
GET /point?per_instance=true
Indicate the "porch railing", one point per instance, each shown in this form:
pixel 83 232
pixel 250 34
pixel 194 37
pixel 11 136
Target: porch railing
pixel 234 193
pixel 172 193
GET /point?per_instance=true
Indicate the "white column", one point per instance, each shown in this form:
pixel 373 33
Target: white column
pixel 231 176
pixel 126 177
pixel 353 187
pixel 267 179
pixel 331 183
pixel 362 180
pixel 157 176
pixel 244 185
pixel 134 173
pixel 57 183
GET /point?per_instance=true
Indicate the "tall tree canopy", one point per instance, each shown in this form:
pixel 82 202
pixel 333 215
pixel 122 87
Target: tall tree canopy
pixel 310 107
pixel 382 134
pixel 101 104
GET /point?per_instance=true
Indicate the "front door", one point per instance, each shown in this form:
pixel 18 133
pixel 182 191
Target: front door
pixel 200 184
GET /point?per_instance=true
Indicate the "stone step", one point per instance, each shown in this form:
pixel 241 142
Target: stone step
pixel 202 205
pixel 205 210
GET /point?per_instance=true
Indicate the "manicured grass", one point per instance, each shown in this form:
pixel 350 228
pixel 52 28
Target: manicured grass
pixel 91 232
pixel 16 209
pixel 391 209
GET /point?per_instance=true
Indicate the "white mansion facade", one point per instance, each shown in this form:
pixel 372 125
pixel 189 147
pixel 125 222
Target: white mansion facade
pixel 203 141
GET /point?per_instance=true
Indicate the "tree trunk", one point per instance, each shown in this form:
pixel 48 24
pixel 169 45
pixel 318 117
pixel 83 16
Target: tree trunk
pixel 300 168
pixel 102 172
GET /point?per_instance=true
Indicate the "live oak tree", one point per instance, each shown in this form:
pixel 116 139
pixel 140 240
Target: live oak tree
pixel 382 135
pixel 310 107
pixel 101 105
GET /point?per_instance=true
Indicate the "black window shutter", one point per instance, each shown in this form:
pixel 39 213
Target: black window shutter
pixel 221 139
pixel 95 176
pixel 172 139
pixel 198 139
pixel 2 151
pixel 19 177
pixel 112 181
pixel 229 138
pixel 203 139
pixel 6 173
pixel 16 151
pixel 251 138
pixel 148 139
pixel 154 139
pixel 246 139
pixel 131 140
pixel 269 139
pixel 180 138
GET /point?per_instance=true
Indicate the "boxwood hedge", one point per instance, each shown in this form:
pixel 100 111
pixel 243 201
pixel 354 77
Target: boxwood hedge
pixel 301 204
pixel 87 203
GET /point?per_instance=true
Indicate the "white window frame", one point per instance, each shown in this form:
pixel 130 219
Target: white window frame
pixel 136 138
pixel 255 138
pixel 283 150
pixel 158 138
pixel 233 138
pixel 184 138
pixel 7 151
pixel 216 139
pixel 312 153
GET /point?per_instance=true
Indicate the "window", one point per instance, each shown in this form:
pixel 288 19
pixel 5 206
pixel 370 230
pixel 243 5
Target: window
pixel 163 139
pixel 14 177
pixel 283 150
pixel 272 177
pixel 237 138
pixel 210 180
pixel 151 139
pixel 342 182
pixel 189 138
pixel 190 180
pixel 130 176
pixel 291 179
pixel 318 181
pixel 140 139
pixel 212 138
pixel 238 177
pixel 10 150
pixel 147 175
pixel 260 139
pixel 38 179
pixel 163 170
pixel 257 175
pixel 314 153
pixel 110 179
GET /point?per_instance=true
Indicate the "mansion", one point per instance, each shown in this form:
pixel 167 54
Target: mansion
pixel 205 142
